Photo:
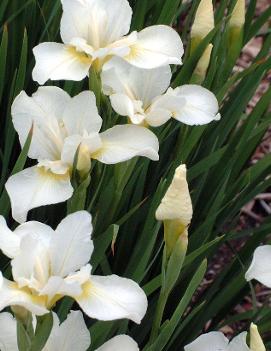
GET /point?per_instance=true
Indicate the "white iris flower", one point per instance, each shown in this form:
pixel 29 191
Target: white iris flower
pixel 95 30
pixel 71 335
pixel 61 125
pixel 145 97
pixel 49 264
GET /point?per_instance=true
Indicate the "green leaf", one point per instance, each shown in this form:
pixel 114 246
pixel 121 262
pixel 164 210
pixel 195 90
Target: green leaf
pixel 169 329
pixel 19 165
pixel 42 332
pixel 23 339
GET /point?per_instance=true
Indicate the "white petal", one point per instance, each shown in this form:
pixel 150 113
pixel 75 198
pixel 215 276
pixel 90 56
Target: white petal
pixel 71 335
pixel 31 267
pixel 99 22
pixel 201 105
pixel 260 266
pixel 119 76
pixel 34 187
pixel 111 297
pixel 71 247
pixel 169 101
pixel 122 104
pixel 8 332
pixel 42 110
pixel 81 114
pixel 81 276
pixel 58 61
pixel 89 144
pixel 57 286
pixel 11 295
pixel 37 230
pixel 157 117
pixel 156 46
pixel 9 242
pixel 213 341
pixel 239 343
pixel 123 142
pixel 120 342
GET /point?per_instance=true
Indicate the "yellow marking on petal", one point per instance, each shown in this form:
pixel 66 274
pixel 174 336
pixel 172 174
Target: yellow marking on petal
pixel 86 288
pixel 81 56
pixel 99 152
pixel 134 52
pixel 36 299
pixel 44 172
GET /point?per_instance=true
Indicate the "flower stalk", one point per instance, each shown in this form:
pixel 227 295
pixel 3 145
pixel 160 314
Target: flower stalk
pixel 175 211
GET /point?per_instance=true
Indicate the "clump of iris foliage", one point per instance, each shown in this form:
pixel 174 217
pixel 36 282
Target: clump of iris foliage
pixel 123 198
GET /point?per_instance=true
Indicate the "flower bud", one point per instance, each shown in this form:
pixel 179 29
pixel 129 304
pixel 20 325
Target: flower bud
pixel 237 19
pixel 202 66
pixel 256 342
pixel 204 20
pixel 175 210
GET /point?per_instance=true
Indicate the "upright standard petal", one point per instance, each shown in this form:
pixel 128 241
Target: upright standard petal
pixel 35 187
pixel 260 268
pixel 81 114
pixel 198 105
pixel 123 142
pixel 97 21
pixel 31 267
pixel 120 342
pixel 37 230
pixel 8 333
pixel 119 76
pixel 9 242
pixel 58 61
pixel 112 297
pixel 11 295
pixel 71 247
pixel 42 110
pixel 213 341
pixel 71 335
pixel 156 46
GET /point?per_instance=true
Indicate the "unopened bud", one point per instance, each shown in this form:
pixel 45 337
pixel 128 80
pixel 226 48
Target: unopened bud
pixel 175 209
pixel 202 66
pixel 204 20
pixel 256 342
pixel 237 19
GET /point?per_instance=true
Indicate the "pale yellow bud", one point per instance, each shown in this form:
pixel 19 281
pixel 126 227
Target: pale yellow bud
pixel 256 342
pixel 203 64
pixel 175 210
pixel 204 20
pixel 238 15
pixel 176 204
